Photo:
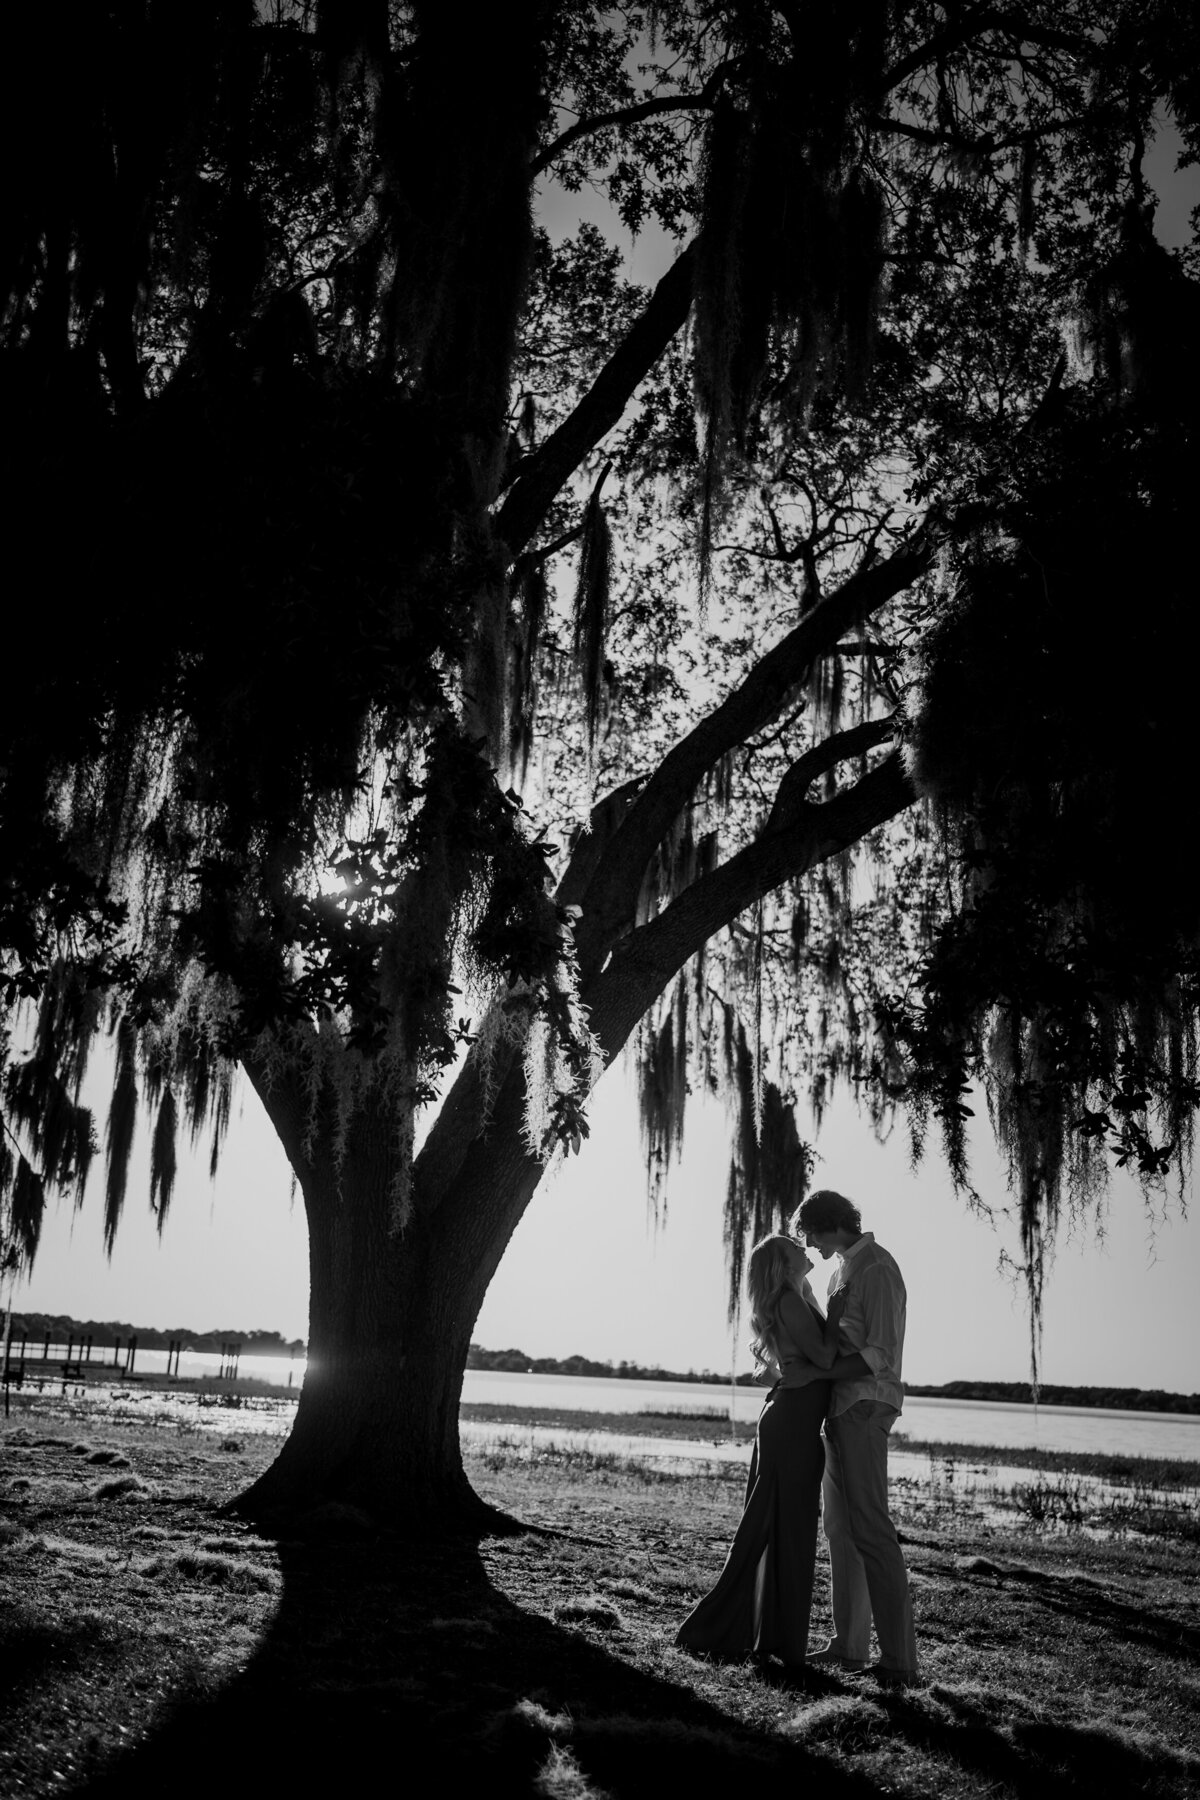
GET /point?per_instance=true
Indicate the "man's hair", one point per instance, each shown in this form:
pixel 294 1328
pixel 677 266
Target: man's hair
pixel 827 1210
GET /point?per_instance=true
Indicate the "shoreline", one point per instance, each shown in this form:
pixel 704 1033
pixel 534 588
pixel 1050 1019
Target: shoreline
pixel 1116 1469
pixel 1154 1403
pixel 226 1406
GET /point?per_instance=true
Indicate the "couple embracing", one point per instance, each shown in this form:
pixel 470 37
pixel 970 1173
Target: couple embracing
pixel 822 1433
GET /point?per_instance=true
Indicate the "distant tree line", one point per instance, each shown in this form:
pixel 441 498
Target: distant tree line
pixel 1018 1393
pixel 1015 1392
pixel 35 1325
pixel 516 1362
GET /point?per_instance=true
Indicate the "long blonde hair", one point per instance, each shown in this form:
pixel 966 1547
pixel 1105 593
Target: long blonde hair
pixel 768 1278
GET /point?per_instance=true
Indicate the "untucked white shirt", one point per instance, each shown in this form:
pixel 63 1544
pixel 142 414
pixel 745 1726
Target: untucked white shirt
pixel 872 1323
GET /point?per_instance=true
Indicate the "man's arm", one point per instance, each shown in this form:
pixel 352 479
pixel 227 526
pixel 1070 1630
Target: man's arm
pixel 881 1331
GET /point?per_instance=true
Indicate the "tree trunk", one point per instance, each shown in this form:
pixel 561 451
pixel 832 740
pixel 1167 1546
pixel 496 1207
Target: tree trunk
pixel 377 1421
pixel 391 1312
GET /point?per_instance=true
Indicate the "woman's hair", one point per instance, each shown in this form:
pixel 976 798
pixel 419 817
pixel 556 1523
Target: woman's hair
pixel 827 1210
pixel 768 1278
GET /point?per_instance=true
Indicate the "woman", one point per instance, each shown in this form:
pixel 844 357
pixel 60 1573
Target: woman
pixel 763 1596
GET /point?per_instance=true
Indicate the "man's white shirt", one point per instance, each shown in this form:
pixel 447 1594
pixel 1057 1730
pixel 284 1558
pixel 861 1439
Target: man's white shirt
pixel 872 1323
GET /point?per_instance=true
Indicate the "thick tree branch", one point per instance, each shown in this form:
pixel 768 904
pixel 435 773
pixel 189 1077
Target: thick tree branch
pixel 949 140
pixel 971 24
pixel 934 140
pixel 609 860
pixel 286 1104
pixel 628 115
pixel 532 558
pixel 648 958
pixel 534 491
pixel 591 844
pixel 790 801
pixel 612 894
pixel 608 863
pixel 972 21
pixel 464 1108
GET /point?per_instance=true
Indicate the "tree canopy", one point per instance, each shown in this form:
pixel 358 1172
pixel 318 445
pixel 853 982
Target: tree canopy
pixel 443 641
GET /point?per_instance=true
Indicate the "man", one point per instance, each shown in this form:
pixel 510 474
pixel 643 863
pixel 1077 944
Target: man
pixel 867 1310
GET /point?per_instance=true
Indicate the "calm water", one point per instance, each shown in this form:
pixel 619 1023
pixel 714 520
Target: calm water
pixel 946 1421
pixel 994 1423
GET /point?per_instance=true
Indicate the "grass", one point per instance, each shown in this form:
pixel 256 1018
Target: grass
pixel 707 1424
pixel 1139 1471
pixel 146 1635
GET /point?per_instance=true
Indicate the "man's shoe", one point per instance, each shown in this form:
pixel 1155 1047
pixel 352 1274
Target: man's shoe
pixel 831 1658
pixel 893 1678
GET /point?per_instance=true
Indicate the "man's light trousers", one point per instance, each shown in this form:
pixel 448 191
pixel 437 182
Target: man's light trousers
pixel 865 1560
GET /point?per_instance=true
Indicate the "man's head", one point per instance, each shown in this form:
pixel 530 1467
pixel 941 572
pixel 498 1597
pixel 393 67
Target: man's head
pixel 829 1222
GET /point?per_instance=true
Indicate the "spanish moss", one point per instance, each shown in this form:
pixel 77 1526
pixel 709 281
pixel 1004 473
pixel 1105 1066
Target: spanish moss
pixel 531 589
pixel 1026 187
pixel 119 1128
pixel 163 1163
pixel 591 612
pixel 662 1092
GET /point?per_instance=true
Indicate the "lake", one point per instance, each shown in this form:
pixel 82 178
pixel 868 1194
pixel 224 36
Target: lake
pixel 1001 1425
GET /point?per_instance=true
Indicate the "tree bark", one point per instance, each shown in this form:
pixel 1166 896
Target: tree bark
pixel 391 1310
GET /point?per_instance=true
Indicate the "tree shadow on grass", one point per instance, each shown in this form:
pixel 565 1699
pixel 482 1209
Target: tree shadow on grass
pixel 1087 1603
pixel 1033 1757
pixel 401 1656
pixel 391 1655
pixel 28 1650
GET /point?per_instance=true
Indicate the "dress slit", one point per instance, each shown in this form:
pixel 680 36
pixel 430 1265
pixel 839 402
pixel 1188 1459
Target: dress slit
pixel 763 1596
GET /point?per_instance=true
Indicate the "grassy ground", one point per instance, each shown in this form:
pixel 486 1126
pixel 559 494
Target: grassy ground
pixel 148 1642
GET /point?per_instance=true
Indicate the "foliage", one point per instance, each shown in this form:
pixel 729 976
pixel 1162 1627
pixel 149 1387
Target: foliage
pixel 199 758
pixel 420 561
pixel 1065 979
pixel 59 1328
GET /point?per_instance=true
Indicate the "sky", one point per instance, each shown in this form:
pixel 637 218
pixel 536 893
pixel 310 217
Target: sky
pixel 589 1272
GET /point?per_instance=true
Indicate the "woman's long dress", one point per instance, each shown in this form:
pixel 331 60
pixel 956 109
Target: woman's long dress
pixel 763 1596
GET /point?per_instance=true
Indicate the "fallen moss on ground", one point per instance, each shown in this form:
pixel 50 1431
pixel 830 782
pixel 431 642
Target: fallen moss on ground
pixel 148 1638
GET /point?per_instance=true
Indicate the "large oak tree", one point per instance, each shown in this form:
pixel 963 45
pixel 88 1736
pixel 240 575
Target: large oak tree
pixel 456 663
